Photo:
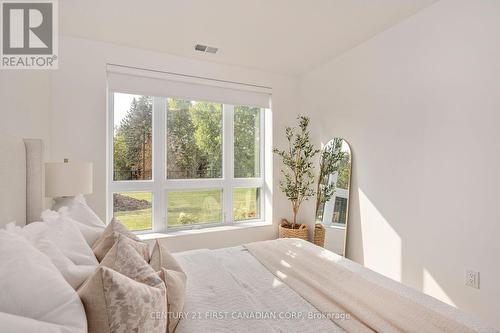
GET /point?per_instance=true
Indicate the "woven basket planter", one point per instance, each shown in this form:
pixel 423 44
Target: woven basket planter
pixel 301 232
pixel 319 235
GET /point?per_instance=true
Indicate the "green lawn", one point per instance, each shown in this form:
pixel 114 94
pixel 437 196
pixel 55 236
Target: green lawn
pixel 194 207
pixel 136 219
pixel 245 201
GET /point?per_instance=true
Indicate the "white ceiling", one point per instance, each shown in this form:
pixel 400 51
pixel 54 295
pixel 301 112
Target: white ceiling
pixel 284 36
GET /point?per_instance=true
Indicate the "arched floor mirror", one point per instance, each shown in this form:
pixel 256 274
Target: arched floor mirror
pixel 332 202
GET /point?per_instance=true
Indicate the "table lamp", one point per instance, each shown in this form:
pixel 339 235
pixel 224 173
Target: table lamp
pixel 68 179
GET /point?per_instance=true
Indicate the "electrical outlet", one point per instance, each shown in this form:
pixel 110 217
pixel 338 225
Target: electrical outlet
pixel 472 279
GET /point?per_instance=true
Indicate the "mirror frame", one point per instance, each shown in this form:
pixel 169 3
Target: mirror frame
pixel 344 248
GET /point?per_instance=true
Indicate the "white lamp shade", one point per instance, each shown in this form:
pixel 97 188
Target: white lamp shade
pixel 68 179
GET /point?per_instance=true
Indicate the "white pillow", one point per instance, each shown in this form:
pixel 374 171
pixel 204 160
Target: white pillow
pixel 68 238
pixel 90 233
pixel 87 221
pixel 33 294
pixel 79 210
pixel 18 324
pixel 37 233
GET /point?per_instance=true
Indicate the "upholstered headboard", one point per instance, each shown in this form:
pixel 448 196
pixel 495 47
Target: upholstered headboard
pixel 21 180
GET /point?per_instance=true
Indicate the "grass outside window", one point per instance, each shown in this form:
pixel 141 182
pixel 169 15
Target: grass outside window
pixel 184 207
pixel 133 209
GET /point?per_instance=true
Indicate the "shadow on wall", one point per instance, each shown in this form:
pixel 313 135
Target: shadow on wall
pixel 389 214
pixel 410 220
pixel 403 265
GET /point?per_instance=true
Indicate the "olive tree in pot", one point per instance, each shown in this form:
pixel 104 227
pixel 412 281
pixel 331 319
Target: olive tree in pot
pixel 298 177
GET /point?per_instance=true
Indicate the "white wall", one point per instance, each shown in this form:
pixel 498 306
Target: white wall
pixel 25 107
pixel 420 106
pixel 78 128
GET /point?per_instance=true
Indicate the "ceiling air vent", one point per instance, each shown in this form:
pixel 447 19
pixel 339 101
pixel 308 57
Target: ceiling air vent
pixel 204 48
pixel 211 49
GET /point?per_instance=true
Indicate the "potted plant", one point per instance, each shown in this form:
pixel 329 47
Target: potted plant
pixel 298 177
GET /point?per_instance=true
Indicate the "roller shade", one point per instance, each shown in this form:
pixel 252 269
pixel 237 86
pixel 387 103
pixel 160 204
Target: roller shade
pixel 156 83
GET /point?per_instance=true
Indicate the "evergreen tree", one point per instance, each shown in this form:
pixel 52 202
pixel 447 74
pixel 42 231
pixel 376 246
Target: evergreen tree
pixel 121 164
pixel 137 135
pixel 182 153
pixel 207 121
pixel 246 141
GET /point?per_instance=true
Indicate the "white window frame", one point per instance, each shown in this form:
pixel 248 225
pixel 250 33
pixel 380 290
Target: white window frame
pixel 159 186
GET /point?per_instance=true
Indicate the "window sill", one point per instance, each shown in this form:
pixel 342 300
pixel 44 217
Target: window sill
pixel 178 233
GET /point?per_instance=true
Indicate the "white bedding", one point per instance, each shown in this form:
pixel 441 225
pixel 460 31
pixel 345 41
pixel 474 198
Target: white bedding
pixel 334 284
pixel 228 289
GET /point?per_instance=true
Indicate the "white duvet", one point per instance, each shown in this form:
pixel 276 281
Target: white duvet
pixel 228 290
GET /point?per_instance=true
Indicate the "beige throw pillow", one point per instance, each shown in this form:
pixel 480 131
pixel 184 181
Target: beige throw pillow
pixel 109 237
pixel 162 258
pixel 124 294
pixel 175 281
pixel 176 294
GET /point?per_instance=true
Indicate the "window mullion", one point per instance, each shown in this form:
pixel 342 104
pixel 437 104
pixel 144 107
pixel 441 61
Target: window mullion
pixel 132 186
pixel 267 147
pixel 159 129
pixel 248 182
pixel 110 166
pixel 262 151
pixel 228 161
pixel 193 184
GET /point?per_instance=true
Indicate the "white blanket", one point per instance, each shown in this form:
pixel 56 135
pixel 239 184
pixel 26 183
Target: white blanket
pixel 228 290
pixel 334 285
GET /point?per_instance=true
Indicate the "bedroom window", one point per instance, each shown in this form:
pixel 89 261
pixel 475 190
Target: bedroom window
pixel 183 163
pixel 194 139
pixel 132 137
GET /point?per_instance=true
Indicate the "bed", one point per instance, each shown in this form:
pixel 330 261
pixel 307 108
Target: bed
pixel 272 286
pixel 231 290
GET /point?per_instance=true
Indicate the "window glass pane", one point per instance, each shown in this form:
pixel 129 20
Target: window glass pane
pixel 133 209
pixel 132 139
pixel 194 207
pixel 340 210
pixel 246 204
pixel 246 141
pixel 194 139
